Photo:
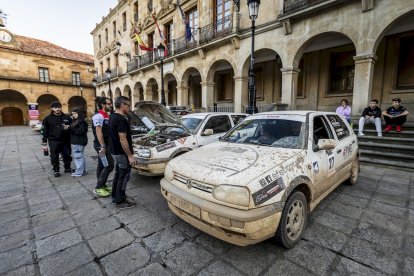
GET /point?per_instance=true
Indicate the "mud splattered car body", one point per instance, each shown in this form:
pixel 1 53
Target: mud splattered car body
pixel 245 188
pixel 170 137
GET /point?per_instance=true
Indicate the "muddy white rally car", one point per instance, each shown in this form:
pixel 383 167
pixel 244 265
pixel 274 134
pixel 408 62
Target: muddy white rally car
pixel 168 137
pixel 263 177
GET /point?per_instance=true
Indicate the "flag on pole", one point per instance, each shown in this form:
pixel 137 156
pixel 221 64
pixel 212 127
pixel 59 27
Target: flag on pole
pixel 163 40
pixel 188 34
pixel 141 43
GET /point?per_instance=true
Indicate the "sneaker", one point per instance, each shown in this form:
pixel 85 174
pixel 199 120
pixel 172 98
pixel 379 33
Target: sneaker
pixel 69 170
pixel 56 174
pixel 101 192
pixel 76 175
pixel 125 205
pixel 398 128
pixel 379 134
pixel 388 128
pixel 361 134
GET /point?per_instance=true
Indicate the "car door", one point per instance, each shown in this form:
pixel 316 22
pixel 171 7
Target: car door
pixel 220 124
pixel 323 161
pixel 346 144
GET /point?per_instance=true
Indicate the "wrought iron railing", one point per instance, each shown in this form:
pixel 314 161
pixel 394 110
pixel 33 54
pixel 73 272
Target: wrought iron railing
pixel 221 108
pixel 114 72
pixel 132 65
pixel 295 5
pixel 220 28
pixel 136 17
pixel 146 59
pixel 182 44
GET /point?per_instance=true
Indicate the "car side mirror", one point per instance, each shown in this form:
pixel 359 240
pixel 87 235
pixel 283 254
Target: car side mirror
pixel 325 144
pixel 207 132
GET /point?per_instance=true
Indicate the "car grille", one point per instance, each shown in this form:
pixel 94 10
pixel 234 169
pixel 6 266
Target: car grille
pixel 194 183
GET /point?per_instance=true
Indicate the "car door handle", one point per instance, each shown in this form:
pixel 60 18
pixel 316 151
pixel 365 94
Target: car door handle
pixel 338 151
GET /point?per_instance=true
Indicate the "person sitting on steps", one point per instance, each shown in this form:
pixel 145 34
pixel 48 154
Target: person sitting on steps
pixel 395 115
pixel 370 115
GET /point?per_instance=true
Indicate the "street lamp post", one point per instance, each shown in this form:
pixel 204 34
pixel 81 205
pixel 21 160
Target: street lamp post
pixel 108 75
pixel 253 12
pixel 161 49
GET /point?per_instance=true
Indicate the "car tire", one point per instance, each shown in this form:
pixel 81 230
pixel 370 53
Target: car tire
pixel 293 222
pixel 353 179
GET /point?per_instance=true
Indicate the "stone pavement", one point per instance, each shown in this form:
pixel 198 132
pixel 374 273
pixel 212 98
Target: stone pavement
pixel 55 226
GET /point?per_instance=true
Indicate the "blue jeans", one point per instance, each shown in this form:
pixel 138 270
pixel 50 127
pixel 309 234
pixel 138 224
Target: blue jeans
pixel 79 158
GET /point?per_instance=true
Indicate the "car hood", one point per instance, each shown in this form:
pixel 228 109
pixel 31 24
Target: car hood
pixel 229 163
pixel 153 113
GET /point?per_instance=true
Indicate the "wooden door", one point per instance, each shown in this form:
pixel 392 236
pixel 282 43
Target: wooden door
pixel 12 116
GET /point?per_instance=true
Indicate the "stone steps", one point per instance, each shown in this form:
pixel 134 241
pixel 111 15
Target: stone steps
pixel 394 149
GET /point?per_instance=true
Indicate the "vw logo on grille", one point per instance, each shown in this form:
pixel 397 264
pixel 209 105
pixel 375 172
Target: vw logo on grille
pixel 189 183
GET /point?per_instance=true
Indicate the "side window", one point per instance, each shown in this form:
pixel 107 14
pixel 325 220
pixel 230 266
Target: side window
pixel 320 129
pixel 339 126
pixel 218 124
pixel 237 118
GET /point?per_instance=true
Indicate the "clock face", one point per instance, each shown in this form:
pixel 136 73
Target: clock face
pixel 5 36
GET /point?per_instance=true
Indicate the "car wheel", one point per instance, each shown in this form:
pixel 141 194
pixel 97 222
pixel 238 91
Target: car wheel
pixel 354 172
pixel 293 221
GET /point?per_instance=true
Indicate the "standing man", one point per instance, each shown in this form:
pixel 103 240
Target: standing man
pixel 370 115
pixel 121 149
pixel 100 128
pixel 395 115
pixel 56 133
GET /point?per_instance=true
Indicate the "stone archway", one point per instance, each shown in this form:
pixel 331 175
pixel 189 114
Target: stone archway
pixel 117 92
pixel 14 108
pixel 44 102
pixel 138 94
pixel 268 79
pixel 152 90
pixel 78 102
pixel 12 116
pixel 191 88
pixel 170 88
pixel 103 94
pixel 322 74
pixel 221 74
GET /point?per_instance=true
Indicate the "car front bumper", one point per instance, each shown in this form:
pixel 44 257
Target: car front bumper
pixel 151 167
pixel 240 227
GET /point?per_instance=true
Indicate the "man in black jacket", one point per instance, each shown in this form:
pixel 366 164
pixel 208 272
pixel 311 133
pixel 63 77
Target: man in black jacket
pixel 56 133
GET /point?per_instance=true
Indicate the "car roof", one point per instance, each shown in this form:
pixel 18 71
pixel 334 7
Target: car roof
pixel 294 112
pixel 205 114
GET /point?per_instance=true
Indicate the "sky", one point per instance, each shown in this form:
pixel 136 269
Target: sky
pixel 66 23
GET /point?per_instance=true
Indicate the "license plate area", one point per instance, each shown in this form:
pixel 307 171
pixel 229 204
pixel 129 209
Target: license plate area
pixel 185 206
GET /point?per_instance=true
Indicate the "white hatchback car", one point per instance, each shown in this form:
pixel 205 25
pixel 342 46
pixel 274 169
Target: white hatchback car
pixel 170 137
pixel 263 177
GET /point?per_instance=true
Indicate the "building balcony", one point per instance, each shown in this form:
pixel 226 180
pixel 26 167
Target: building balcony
pixel 200 38
pixel 302 8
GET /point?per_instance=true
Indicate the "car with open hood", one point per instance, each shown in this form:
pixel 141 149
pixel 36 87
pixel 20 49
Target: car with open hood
pixel 263 177
pixel 165 137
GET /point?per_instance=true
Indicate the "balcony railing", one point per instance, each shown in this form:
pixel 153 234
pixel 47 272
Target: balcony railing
pixel 221 28
pixel 114 72
pixel 183 44
pixel 218 29
pixel 221 108
pixel 295 5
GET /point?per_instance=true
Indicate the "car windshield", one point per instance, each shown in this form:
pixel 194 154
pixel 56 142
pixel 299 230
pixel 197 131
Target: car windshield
pixel 192 124
pixel 272 131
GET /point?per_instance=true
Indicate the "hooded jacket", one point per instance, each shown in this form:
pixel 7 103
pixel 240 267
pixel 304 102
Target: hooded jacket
pixel 53 129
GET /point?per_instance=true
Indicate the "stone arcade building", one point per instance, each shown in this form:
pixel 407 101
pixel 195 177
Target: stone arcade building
pixel 37 72
pixel 308 54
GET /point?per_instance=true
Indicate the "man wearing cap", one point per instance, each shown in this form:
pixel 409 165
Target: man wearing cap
pixel 395 115
pixel 56 133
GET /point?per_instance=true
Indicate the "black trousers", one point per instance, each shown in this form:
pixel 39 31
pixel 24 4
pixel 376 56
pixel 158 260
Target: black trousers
pixel 102 173
pixel 121 178
pixel 56 148
pixel 399 121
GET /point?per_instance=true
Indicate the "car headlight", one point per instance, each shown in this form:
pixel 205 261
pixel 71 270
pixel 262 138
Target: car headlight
pixel 232 194
pixel 169 173
pixel 145 153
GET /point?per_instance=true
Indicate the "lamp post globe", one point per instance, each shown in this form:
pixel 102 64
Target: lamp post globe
pixel 253 13
pixel 161 52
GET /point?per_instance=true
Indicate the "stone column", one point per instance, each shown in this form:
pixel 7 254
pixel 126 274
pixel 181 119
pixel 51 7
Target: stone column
pixel 289 86
pixel 166 96
pixel 207 94
pixel 363 77
pixel 182 95
pixel 240 93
